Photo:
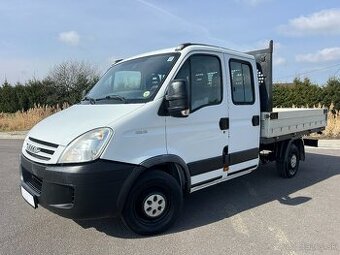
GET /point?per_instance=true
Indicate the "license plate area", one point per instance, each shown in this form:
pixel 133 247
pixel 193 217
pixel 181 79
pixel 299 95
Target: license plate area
pixel 29 198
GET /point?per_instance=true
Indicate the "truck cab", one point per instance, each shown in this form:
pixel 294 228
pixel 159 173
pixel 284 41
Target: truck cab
pixel 155 127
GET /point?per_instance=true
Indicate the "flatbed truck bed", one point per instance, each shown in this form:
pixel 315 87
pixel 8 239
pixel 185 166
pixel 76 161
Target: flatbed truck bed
pixel 284 123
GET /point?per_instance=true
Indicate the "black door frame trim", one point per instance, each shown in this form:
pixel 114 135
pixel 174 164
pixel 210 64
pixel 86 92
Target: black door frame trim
pixel 205 165
pixel 210 164
pixel 242 170
pixel 206 181
pixel 242 156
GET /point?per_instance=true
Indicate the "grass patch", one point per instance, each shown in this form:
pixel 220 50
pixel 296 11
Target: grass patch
pixel 21 121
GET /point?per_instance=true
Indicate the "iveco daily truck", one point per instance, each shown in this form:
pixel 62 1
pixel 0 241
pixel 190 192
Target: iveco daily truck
pixel 160 125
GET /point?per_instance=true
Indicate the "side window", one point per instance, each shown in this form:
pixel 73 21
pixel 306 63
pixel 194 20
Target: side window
pixel 203 74
pixel 242 84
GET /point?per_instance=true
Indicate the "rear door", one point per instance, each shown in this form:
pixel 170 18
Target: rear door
pixel 200 138
pixel 244 112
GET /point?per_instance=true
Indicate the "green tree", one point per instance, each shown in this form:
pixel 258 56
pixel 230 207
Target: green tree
pixel 300 93
pixel 22 97
pixel 331 93
pixel 8 98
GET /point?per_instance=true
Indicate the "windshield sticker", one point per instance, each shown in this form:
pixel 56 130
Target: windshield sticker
pixel 171 58
pixel 146 93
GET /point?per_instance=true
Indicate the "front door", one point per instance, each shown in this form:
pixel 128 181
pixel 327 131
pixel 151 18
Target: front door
pixel 200 138
pixel 244 112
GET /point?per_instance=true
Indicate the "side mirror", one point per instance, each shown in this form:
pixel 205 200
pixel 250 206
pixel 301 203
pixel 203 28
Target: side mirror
pixel 177 99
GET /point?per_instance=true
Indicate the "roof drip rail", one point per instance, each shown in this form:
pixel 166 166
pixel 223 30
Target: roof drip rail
pixel 182 46
pixel 117 61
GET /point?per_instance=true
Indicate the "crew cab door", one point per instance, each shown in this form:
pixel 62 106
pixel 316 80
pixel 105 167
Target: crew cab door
pixel 244 112
pixel 200 138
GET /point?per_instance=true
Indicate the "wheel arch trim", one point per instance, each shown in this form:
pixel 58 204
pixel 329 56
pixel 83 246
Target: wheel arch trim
pixel 144 166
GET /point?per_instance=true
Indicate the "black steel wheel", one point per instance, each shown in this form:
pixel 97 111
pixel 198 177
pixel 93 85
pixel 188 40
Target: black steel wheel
pixel 288 166
pixel 153 204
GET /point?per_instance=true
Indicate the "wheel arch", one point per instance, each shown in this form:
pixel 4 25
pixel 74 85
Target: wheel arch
pixel 169 163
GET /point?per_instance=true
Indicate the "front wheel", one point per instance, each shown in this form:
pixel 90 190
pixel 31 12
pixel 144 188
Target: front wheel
pixel 153 204
pixel 289 165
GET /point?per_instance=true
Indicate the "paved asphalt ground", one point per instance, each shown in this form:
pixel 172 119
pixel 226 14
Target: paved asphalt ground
pixel 256 214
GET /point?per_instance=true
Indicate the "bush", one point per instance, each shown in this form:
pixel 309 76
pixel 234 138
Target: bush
pixel 64 84
pixel 304 93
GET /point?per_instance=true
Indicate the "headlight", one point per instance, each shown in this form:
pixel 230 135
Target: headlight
pixel 87 147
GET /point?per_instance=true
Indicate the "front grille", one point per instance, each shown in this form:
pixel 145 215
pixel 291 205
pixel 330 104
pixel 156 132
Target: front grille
pixel 53 145
pixel 37 156
pixel 41 150
pixel 32 181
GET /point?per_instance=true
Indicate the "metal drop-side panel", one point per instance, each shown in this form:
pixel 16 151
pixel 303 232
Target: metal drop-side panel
pixel 284 121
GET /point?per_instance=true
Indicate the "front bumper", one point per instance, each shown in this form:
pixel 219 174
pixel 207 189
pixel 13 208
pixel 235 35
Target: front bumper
pixel 77 191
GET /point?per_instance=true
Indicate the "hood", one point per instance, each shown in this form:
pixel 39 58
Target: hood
pixel 62 127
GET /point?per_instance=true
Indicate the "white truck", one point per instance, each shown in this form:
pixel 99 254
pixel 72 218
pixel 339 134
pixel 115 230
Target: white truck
pixel 158 126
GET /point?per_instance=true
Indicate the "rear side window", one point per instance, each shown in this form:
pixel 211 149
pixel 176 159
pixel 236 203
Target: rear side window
pixel 242 83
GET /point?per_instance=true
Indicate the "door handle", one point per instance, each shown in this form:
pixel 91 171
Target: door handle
pixel 224 123
pixel 255 120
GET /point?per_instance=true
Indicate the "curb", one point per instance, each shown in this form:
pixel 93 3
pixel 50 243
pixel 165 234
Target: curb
pixel 330 144
pixel 14 135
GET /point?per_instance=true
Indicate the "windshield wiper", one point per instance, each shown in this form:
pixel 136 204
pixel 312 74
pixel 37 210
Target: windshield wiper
pixel 90 99
pixel 114 97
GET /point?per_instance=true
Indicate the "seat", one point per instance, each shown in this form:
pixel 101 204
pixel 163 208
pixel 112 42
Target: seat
pixel 153 82
pixel 215 90
pixel 199 85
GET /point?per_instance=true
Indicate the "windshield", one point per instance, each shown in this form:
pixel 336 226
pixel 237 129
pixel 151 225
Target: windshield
pixel 133 81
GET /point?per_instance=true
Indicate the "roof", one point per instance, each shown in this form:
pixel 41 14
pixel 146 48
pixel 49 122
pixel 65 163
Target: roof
pixel 187 47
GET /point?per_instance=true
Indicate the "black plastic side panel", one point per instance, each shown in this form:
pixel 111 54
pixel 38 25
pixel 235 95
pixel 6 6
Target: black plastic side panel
pixel 205 165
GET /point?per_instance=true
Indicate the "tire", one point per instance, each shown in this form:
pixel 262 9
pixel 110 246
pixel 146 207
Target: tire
pixel 289 165
pixel 153 204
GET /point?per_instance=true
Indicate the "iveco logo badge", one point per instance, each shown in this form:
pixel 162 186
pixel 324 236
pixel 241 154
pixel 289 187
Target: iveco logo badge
pixel 32 148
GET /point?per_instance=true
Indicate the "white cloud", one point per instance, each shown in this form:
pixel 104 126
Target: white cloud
pixel 279 61
pixel 324 55
pixel 263 44
pixel 322 22
pixel 70 38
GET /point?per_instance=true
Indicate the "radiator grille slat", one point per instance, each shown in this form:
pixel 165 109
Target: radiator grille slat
pixel 41 150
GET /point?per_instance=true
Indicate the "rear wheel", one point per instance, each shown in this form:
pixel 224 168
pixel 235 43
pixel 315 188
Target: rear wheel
pixel 288 165
pixel 153 204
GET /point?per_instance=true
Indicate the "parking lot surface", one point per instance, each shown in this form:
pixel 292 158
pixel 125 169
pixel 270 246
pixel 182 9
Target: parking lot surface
pixel 259 213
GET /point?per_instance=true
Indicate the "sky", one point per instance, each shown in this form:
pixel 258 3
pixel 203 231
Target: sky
pixel 36 35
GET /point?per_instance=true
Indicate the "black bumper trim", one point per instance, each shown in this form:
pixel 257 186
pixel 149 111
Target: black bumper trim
pixel 77 191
